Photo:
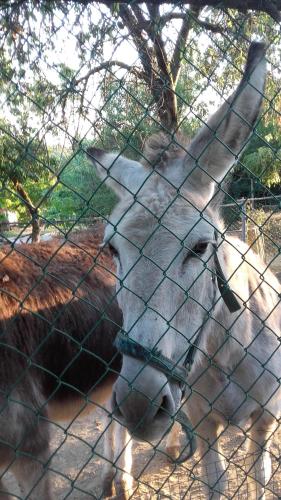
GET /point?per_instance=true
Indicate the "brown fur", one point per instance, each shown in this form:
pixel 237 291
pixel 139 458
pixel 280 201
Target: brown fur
pixel 58 320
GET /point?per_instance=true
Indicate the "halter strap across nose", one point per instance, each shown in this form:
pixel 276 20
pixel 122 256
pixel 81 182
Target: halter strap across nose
pixel 178 373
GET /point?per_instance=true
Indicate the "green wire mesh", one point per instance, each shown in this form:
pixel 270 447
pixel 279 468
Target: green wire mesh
pixel 71 77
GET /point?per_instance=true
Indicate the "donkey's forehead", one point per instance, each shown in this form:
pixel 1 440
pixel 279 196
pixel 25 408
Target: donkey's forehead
pixel 164 213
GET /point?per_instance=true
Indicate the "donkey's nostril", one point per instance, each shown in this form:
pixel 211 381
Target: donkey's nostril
pixel 142 400
pixel 165 408
pixel 165 403
pixel 115 405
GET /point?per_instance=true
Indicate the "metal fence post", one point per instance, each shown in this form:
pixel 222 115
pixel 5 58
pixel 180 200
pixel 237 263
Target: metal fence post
pixel 244 220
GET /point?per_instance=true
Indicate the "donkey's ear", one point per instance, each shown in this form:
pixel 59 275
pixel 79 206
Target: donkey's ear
pixel 124 176
pixel 218 144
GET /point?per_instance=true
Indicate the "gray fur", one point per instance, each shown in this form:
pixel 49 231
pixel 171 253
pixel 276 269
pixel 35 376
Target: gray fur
pixel 156 229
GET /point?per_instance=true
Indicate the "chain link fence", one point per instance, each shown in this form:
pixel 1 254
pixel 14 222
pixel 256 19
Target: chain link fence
pixel 139 308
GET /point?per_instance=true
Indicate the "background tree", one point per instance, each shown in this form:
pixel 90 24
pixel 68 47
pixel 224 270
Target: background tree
pixel 27 171
pixel 116 72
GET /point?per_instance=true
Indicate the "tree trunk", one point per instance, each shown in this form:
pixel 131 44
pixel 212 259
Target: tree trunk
pixel 166 102
pixel 32 210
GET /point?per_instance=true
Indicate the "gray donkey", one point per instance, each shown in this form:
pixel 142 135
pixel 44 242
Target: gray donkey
pixel 201 311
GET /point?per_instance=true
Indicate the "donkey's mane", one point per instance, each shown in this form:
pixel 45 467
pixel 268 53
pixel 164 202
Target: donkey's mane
pixel 161 148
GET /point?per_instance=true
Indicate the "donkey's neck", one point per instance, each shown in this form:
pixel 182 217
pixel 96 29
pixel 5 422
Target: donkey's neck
pixel 227 332
pixel 255 287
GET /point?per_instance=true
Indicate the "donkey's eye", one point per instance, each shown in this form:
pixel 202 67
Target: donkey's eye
pixel 200 248
pixel 197 250
pixel 113 251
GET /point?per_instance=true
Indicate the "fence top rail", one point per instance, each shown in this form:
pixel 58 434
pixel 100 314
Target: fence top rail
pixel 242 201
pixel 54 221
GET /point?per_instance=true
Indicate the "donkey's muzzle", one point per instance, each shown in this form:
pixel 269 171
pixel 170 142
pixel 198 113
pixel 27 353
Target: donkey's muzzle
pixel 142 400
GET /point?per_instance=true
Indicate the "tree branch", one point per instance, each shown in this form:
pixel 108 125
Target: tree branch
pixel 140 42
pixel 107 65
pixel 215 28
pixel 270 7
pixel 153 9
pixel 181 43
pixel 31 209
pixel 154 32
pixel 166 18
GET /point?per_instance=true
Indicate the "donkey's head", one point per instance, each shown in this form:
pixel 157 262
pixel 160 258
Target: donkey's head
pixel 162 237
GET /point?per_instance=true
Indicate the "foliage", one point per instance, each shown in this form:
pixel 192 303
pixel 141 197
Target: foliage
pixel 265 164
pixel 78 192
pixel 62 98
pixel 24 159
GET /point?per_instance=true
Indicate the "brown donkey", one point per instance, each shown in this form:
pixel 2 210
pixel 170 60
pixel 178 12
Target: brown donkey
pixel 58 320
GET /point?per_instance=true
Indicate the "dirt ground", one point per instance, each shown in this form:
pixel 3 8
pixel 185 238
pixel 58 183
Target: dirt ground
pixel 77 467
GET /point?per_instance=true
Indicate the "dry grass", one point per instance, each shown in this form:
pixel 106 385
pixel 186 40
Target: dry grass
pixel 264 234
